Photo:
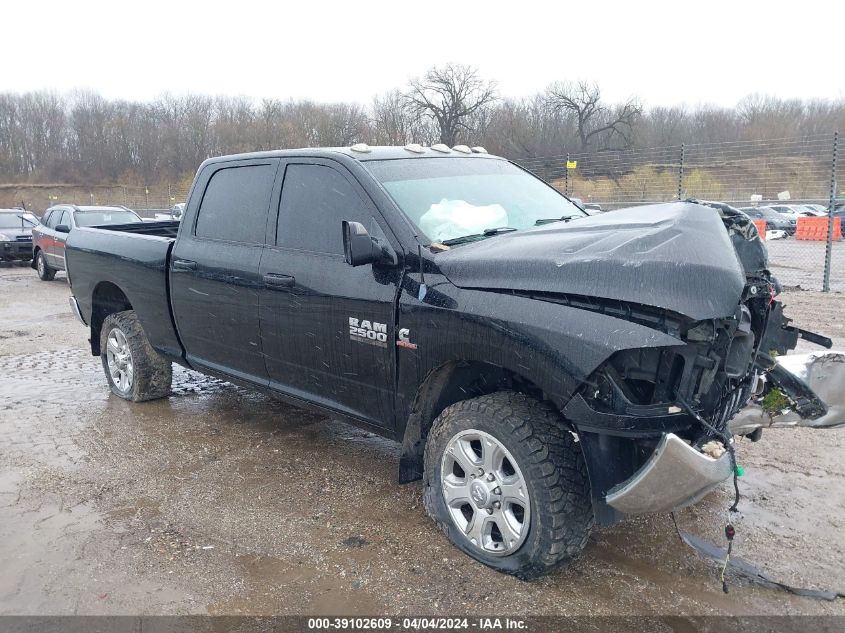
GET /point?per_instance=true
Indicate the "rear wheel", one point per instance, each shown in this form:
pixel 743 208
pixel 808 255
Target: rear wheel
pixel 134 370
pixel 45 273
pixel 507 483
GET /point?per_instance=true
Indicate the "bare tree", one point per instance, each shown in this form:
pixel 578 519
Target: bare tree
pixel 593 118
pixel 451 96
pixel 393 123
pixel 766 117
pixel 83 138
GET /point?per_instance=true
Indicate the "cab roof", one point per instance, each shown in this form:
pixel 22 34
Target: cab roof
pixel 372 152
pixel 83 208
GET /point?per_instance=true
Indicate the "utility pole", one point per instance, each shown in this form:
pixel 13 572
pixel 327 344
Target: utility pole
pixel 832 205
pixel 681 173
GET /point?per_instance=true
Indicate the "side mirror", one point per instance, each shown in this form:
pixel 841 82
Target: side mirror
pixel 62 228
pixel 358 247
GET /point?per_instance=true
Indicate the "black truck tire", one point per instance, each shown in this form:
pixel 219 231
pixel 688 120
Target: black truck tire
pixel 45 273
pixel 134 370
pixel 548 462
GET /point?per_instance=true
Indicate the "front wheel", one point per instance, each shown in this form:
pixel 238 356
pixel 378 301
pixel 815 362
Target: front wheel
pixel 507 483
pixel 134 370
pixel 45 273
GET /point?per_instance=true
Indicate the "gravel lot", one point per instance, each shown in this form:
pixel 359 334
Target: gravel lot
pixel 219 500
pixel 799 263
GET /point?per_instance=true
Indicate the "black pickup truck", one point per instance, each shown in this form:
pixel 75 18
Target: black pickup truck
pixel 542 369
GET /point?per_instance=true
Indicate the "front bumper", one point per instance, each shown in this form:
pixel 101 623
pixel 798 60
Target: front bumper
pixel 16 250
pixel 676 475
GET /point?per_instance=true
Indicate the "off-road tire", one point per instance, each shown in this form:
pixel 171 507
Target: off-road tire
pixel 153 373
pixel 45 273
pixel 552 464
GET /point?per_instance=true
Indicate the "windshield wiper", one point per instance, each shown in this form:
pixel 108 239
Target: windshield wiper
pixel 499 229
pixel 478 236
pixel 565 218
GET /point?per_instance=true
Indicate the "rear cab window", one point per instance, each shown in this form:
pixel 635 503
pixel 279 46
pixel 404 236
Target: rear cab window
pixel 235 204
pixel 103 217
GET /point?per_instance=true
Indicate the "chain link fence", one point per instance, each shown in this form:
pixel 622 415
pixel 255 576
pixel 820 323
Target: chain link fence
pixel 145 200
pixel 796 175
pixel 783 173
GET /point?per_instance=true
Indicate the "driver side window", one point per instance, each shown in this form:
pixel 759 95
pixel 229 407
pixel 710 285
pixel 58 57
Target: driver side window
pixel 315 200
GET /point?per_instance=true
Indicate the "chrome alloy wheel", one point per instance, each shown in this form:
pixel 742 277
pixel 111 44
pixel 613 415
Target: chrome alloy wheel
pixel 119 359
pixel 39 264
pixel 485 492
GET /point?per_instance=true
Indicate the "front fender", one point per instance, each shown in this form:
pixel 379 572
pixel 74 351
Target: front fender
pixel 555 347
pixel 552 347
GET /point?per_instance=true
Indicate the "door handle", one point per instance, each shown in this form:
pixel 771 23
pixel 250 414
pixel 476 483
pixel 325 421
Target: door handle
pixel 273 280
pixel 184 264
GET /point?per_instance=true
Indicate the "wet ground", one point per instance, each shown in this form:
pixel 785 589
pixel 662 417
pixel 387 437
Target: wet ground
pixel 801 263
pixel 219 500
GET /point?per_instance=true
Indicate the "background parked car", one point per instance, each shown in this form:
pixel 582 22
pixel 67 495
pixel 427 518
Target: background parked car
pixel 16 234
pixel 774 221
pixel 815 209
pixel 793 211
pixel 48 238
pixel 174 213
pixel 839 212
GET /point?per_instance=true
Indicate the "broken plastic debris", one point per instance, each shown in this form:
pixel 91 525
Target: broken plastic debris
pixel 714 449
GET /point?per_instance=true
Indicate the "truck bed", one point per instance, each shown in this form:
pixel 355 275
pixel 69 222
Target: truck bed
pixel 163 228
pixel 132 259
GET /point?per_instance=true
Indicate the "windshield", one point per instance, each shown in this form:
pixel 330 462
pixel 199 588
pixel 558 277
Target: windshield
pixel 449 198
pixel 17 220
pixel 101 218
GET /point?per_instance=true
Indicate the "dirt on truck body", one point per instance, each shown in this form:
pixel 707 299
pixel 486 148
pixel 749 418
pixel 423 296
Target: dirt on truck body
pixel 542 369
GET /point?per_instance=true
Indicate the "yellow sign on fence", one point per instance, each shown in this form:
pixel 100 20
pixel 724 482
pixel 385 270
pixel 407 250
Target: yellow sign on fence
pixel 571 164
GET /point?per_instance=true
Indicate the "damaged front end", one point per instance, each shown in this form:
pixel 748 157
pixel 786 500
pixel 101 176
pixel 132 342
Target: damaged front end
pixel 657 424
pixel 801 390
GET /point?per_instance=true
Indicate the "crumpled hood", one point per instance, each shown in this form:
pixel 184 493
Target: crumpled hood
pixel 677 256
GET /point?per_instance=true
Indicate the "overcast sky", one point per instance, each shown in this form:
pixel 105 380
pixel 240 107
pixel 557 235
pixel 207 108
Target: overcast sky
pixel 664 52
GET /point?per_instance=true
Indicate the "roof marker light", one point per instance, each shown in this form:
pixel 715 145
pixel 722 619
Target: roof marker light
pixel 478 150
pixel 415 147
pixel 440 147
pixel 361 147
pixel 463 149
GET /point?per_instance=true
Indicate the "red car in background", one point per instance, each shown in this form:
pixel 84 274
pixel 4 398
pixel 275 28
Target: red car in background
pixel 48 238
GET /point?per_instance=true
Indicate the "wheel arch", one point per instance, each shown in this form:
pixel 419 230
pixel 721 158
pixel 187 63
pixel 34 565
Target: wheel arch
pixel 106 299
pixel 35 251
pixel 446 384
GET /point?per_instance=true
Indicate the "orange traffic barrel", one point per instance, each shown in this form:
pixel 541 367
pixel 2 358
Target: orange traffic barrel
pixel 761 228
pixel 816 228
